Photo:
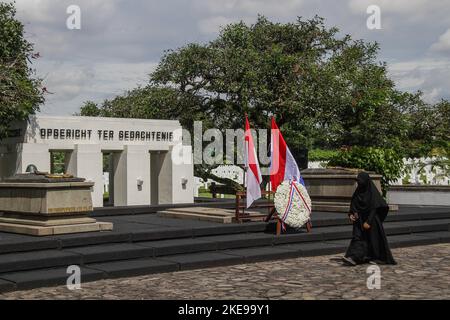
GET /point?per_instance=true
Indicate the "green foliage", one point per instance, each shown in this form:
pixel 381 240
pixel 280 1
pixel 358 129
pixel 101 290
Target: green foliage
pixel 20 93
pixel 429 129
pixel 58 165
pixel 406 179
pixel 321 154
pixel 386 162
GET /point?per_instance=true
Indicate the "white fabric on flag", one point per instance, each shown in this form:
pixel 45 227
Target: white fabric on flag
pixel 291 170
pixel 253 172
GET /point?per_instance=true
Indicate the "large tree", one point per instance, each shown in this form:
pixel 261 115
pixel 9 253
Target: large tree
pixel 20 91
pixel 325 90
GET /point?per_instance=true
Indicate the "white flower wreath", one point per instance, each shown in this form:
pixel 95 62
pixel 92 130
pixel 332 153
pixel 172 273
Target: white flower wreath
pixel 293 203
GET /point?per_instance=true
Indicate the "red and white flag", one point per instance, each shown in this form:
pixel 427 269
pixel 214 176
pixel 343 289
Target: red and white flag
pixel 282 164
pixel 253 173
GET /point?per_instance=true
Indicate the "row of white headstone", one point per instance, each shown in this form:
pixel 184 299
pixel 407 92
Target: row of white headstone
pixel 416 171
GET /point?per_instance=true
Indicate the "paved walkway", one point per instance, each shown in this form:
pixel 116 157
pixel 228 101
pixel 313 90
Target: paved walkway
pixel 422 273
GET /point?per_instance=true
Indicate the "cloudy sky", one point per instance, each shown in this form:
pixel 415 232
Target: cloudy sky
pixel 121 41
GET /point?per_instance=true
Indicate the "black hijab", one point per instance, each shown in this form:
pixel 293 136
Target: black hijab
pixel 367 197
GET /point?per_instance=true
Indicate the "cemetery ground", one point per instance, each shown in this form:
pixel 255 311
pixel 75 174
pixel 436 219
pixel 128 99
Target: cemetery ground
pixel 423 272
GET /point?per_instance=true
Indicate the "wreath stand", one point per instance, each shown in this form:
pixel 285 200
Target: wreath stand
pixel 274 215
pixel 242 216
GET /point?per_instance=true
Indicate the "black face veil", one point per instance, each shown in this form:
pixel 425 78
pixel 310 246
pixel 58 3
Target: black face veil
pixel 367 197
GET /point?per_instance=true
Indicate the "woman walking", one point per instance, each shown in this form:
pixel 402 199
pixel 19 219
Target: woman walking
pixel 368 210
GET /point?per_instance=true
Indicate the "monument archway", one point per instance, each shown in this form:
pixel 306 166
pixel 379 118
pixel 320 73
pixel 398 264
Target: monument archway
pixel 141 168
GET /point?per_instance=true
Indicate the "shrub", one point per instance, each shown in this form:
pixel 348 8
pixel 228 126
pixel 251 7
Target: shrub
pixel 386 162
pixel 321 155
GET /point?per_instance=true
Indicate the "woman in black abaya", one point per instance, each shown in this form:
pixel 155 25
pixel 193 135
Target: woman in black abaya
pixel 368 210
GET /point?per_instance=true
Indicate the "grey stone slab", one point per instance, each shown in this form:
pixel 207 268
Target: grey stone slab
pixel 77 240
pixel 128 227
pixel 37 259
pixel 343 243
pixel 262 253
pixel 397 228
pixel 203 260
pixel 430 225
pixel 331 222
pixel 221 229
pixel 337 232
pixel 18 244
pixel 168 222
pixel 161 234
pixel 406 240
pixel 298 237
pixel 6 286
pixel 25 280
pixel 444 236
pixel 401 217
pixel 136 267
pixel 111 252
pixel 315 248
pixel 435 215
pixel 178 246
pixel 240 240
pixel 257 226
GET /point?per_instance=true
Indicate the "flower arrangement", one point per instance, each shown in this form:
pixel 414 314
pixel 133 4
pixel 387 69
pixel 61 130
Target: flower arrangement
pixel 293 203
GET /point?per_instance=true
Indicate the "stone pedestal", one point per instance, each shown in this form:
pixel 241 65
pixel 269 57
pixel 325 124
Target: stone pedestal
pixel 331 190
pixel 39 206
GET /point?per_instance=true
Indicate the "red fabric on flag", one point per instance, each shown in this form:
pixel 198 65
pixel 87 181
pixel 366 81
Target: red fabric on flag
pixel 253 173
pixel 278 163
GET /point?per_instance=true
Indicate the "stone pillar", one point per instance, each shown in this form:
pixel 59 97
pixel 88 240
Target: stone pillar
pixel 165 189
pixel 182 175
pixel 156 160
pixel 132 176
pixel 176 176
pixel 86 161
pixel 32 153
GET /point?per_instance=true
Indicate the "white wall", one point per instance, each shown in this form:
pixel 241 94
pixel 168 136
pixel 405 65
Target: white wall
pixel 86 161
pixel 421 198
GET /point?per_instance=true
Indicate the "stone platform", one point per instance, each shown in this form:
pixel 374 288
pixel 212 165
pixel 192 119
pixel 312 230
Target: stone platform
pixel 40 206
pixel 146 243
pixel 331 189
pixel 220 215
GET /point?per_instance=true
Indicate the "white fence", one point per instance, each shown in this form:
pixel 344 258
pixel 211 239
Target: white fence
pixel 416 171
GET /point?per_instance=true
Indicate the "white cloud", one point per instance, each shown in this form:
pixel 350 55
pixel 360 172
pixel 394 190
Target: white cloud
pixel 219 13
pixel 251 7
pixel 71 84
pixel 443 44
pixel 403 7
pixel 213 25
pixel 121 40
pixel 430 75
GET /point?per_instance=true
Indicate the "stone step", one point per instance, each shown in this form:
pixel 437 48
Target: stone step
pixel 37 259
pixel 111 252
pixel 18 243
pixel 134 267
pixel 106 250
pixel 101 253
pixel 26 280
pixel 339 206
pixel 10 243
pixel 197 216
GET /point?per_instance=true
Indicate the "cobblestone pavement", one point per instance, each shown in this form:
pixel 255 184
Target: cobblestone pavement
pixel 422 273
